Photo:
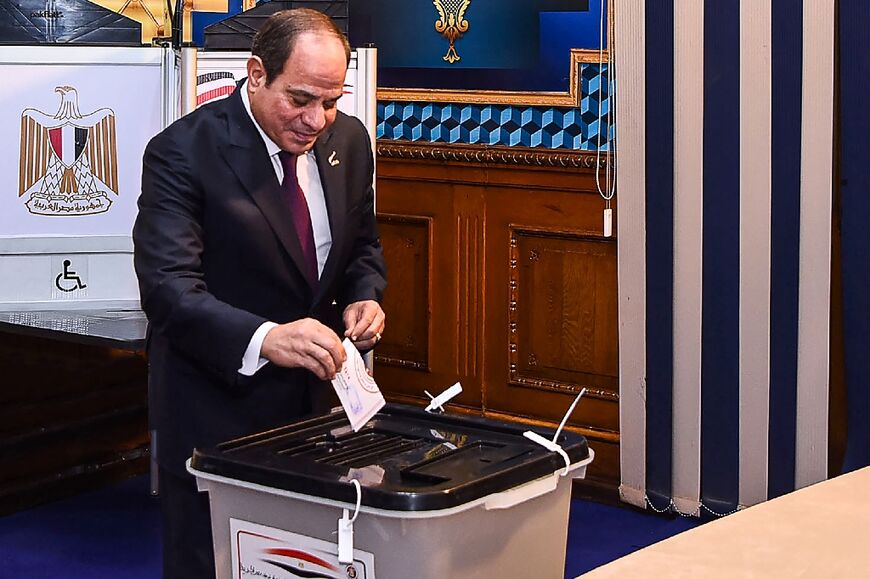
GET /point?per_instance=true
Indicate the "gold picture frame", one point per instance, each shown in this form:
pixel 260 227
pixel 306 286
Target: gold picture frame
pixel 569 98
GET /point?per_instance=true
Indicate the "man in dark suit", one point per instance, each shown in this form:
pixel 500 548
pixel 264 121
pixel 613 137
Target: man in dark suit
pixel 256 248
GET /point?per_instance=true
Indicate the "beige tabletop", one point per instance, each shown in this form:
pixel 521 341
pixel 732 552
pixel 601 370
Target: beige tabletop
pixel 821 531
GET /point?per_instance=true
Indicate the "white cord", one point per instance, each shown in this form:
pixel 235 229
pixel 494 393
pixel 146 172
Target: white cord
pixel 607 192
pixel 671 507
pixel 358 498
pixel 552 445
pixel 345 528
pixel 567 414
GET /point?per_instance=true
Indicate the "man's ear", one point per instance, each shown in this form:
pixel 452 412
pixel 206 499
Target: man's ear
pixel 256 73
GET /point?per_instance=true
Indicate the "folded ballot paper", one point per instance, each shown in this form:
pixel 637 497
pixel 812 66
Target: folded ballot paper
pixel 357 391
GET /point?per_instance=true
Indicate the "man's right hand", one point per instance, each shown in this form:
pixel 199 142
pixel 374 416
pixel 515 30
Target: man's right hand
pixel 306 344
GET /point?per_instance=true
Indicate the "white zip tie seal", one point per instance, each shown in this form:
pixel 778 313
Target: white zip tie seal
pixel 345 528
pixel 438 402
pixel 551 445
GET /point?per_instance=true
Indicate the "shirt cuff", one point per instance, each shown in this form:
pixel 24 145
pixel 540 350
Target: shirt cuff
pixel 251 361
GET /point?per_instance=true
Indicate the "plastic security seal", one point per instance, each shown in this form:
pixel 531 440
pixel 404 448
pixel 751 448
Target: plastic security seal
pixel 345 528
pixel 551 445
pixel 438 402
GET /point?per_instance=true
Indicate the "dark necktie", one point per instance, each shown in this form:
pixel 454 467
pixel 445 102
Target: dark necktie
pixel 301 217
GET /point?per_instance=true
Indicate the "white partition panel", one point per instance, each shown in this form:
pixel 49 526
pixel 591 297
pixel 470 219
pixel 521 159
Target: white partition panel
pixel 77 120
pixel 208 76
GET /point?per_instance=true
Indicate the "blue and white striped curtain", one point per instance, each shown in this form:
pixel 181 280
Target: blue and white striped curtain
pixel 725 112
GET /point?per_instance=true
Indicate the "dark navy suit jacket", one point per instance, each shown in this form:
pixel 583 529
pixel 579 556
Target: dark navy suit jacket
pixel 216 255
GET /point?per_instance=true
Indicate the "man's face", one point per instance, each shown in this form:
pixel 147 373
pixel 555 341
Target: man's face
pixel 301 102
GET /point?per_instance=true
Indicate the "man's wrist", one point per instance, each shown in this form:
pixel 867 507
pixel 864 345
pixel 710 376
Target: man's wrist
pixel 253 358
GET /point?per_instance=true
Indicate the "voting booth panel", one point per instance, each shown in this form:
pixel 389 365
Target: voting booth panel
pixel 209 76
pixel 77 120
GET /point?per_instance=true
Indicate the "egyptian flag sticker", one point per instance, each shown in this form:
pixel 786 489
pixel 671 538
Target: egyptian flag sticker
pixel 213 86
pixel 261 551
pixel 68 142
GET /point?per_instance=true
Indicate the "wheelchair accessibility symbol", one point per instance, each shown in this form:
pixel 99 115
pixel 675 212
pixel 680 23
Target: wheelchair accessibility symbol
pixel 68 280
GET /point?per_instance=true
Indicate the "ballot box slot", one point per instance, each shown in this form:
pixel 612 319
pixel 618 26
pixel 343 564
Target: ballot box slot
pixel 280 439
pixel 355 451
pixel 359 448
pixel 283 445
pixel 320 446
pixel 373 455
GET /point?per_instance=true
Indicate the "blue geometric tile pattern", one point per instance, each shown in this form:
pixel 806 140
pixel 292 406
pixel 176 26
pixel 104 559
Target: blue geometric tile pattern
pixel 546 127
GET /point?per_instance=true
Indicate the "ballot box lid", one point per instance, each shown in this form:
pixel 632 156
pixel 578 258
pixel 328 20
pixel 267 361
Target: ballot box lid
pixel 405 458
pixel 237 32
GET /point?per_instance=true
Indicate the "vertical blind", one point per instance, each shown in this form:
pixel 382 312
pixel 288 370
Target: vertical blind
pixel 726 166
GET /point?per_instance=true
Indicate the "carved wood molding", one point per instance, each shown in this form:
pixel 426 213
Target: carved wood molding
pixel 401 363
pixel 491 155
pixel 516 377
pixel 470 272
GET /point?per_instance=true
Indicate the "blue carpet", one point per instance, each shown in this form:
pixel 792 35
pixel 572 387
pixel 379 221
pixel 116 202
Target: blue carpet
pixel 599 534
pixel 115 532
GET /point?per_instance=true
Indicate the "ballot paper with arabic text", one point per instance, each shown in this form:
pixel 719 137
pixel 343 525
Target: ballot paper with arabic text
pixel 357 391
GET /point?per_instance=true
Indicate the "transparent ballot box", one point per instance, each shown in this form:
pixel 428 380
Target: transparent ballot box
pixel 430 495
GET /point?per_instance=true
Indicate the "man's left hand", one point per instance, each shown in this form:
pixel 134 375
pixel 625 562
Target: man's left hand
pixel 364 323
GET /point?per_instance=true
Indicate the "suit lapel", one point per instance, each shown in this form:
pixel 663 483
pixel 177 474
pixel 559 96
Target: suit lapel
pixel 332 178
pixel 246 155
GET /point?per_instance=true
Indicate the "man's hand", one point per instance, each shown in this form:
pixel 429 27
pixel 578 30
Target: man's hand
pixel 364 323
pixel 306 344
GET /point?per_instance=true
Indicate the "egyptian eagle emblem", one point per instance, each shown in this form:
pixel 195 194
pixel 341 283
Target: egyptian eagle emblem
pixel 69 161
pixel 451 24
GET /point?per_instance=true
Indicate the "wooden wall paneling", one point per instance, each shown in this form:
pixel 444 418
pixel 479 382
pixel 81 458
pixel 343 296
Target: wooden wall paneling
pixel 561 303
pixel 552 315
pixel 407 243
pixel 71 417
pixel 439 276
pixel 72 445
pixel 602 476
pixel 551 306
pixel 470 272
pixel 36 369
pixel 522 282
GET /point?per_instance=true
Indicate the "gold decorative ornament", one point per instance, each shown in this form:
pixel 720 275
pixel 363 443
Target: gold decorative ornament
pixel 451 24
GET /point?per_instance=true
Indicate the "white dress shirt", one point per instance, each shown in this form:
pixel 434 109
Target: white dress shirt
pixel 309 181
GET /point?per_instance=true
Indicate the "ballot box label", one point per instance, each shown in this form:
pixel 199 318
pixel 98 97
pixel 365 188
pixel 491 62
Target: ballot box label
pixel 270 553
